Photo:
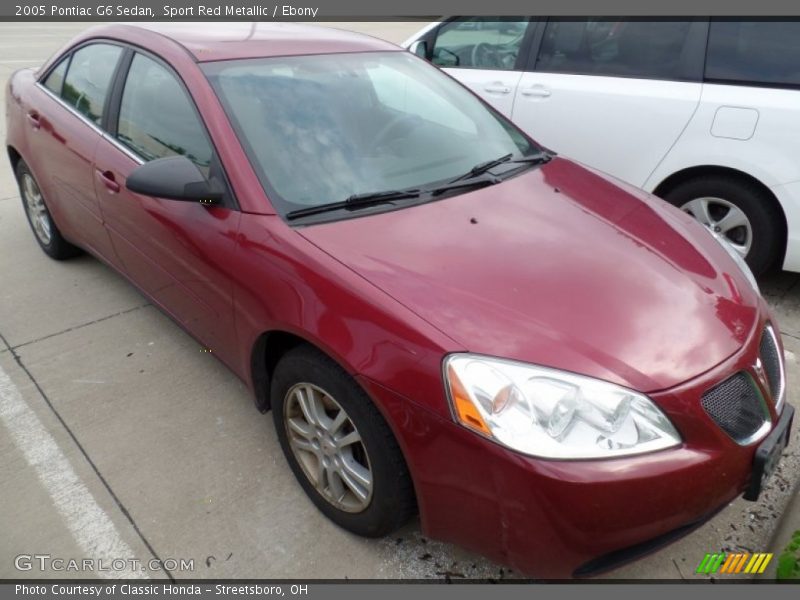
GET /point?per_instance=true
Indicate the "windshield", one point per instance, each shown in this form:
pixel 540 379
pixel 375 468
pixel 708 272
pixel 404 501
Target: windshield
pixel 319 129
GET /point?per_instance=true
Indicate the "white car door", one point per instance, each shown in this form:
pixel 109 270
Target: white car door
pixel 615 95
pixel 485 54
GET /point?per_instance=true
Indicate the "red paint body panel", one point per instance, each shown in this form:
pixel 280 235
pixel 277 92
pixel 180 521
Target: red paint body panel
pixel 569 279
pixel 283 282
pixel 564 268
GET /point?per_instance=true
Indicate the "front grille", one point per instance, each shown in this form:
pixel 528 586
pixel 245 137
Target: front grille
pixel 769 353
pixel 736 406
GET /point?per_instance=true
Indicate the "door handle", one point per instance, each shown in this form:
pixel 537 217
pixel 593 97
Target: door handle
pixel 536 91
pixel 33 119
pixel 108 180
pixel 497 88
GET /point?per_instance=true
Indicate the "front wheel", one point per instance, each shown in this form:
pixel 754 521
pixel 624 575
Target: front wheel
pixel 742 212
pixel 338 445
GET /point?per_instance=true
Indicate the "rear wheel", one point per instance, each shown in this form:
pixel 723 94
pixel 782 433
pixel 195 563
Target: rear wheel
pixel 739 210
pixel 338 445
pixel 44 228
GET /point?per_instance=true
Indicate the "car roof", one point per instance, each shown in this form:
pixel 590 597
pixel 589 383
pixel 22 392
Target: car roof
pixel 226 41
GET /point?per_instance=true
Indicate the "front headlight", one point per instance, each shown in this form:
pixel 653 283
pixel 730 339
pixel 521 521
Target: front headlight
pixel 553 414
pixel 737 258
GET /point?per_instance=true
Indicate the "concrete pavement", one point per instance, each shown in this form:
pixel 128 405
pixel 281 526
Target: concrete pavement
pixel 159 451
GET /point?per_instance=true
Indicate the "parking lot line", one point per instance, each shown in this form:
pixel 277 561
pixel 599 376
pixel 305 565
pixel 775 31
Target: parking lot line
pixel 90 526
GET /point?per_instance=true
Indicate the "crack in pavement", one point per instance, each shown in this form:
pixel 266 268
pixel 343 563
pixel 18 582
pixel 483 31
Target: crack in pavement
pixel 75 327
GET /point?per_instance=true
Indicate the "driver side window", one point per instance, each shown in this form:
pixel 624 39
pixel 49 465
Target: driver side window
pixel 479 43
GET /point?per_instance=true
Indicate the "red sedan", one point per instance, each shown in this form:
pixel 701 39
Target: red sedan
pixel 554 369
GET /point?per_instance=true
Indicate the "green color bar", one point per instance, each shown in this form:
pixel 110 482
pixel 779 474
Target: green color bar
pixel 701 568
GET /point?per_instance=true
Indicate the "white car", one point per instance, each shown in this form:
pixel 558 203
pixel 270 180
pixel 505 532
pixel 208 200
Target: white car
pixel 704 113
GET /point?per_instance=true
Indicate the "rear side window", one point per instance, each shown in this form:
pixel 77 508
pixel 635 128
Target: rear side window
pixel 89 78
pixel 765 52
pixel 479 43
pixel 644 49
pixel 55 80
pixel 157 118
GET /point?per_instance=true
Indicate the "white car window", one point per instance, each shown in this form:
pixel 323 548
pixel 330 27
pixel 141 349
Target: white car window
pixel 479 43
pixel 396 89
pixel 766 52
pixel 647 49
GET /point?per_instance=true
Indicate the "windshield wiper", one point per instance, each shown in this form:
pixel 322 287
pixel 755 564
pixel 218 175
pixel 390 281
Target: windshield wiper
pixel 354 202
pixel 479 181
pixel 537 159
pixel 483 167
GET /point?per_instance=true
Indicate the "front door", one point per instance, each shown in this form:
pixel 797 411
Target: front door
pixel 177 252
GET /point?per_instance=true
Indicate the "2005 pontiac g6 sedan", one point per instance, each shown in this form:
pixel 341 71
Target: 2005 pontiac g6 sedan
pixel 554 369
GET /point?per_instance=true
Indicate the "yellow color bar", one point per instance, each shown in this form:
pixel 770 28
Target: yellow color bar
pixel 765 563
pixel 753 564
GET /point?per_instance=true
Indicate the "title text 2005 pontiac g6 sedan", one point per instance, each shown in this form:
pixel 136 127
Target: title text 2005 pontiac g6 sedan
pixel 552 368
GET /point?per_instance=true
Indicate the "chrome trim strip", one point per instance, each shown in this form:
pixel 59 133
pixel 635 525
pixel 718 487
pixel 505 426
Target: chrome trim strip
pixel 70 108
pixel 123 148
pixel 104 134
pixel 760 433
pixel 781 363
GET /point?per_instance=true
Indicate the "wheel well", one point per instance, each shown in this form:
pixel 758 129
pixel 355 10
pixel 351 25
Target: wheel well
pixel 267 351
pixel 676 179
pixel 13 157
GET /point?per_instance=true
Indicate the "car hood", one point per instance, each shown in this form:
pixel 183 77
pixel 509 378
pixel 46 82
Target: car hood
pixel 559 266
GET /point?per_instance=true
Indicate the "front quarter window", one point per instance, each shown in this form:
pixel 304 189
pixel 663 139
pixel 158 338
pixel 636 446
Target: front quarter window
pixel 321 128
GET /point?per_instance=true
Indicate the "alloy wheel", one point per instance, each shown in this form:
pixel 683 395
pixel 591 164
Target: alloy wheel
pixel 328 447
pixel 37 211
pixel 725 219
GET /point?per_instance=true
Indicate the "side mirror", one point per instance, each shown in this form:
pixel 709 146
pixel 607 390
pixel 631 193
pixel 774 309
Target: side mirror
pixel 174 178
pixel 420 48
pixel 446 58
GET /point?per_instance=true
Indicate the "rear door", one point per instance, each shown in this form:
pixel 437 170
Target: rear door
pixel 65 118
pixel 486 54
pixel 615 95
pixel 178 252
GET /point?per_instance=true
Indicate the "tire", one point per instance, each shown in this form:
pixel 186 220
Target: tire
pixel 42 224
pixel 723 195
pixel 389 502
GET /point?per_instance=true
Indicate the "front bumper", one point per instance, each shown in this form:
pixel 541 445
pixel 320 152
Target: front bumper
pixel 560 519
